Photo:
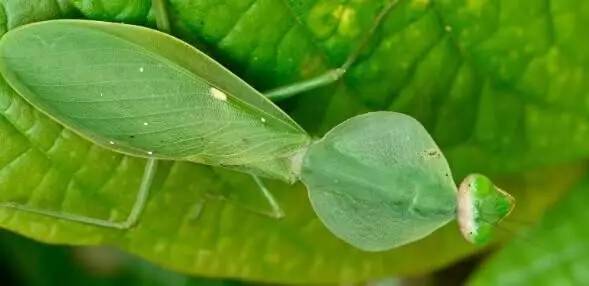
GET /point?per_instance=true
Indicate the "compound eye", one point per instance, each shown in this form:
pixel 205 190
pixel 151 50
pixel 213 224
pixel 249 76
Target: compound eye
pixel 481 205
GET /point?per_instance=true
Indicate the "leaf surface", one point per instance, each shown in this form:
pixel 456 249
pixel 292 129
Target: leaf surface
pixel 500 85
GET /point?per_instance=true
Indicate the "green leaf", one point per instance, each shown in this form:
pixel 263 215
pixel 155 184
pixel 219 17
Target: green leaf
pixel 555 252
pixel 501 86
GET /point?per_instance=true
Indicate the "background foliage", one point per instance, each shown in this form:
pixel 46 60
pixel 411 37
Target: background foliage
pixel 502 86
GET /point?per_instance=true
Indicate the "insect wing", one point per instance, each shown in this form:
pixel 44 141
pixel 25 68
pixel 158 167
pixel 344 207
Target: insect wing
pixel 144 93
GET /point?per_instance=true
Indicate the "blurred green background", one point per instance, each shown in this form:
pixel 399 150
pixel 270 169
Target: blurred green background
pixel 25 262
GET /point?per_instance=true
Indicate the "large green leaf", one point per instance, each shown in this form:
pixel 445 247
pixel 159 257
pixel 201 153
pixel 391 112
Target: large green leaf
pixel 556 252
pixel 499 84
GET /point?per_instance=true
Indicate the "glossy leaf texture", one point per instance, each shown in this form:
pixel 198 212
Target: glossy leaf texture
pixel 144 93
pixel 499 84
pixel 554 252
pixel 379 181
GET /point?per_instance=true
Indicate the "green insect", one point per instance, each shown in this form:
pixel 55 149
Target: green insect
pixel 377 180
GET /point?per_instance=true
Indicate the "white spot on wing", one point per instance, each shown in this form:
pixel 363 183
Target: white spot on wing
pixel 217 94
pixel 149 153
pixel 111 142
pixel 263 120
pixel 145 123
pixel 141 69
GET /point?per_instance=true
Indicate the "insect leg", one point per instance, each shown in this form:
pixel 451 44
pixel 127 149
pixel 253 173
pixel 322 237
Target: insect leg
pixel 197 209
pixel 142 195
pixel 131 220
pixel 333 75
pixel 162 20
pixel 277 211
pixel 287 91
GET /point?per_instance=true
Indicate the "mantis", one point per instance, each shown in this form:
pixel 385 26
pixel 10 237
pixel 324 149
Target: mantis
pixel 377 181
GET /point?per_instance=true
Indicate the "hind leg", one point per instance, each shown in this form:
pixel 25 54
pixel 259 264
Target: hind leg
pixel 260 202
pixel 277 211
pixel 130 221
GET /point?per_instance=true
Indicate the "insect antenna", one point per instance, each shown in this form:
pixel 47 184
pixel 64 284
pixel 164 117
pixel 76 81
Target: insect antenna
pixel 520 233
pixel 509 220
pixel 515 224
